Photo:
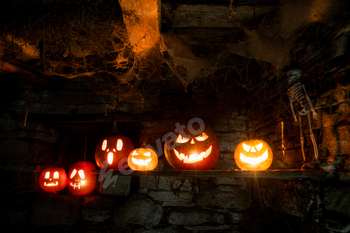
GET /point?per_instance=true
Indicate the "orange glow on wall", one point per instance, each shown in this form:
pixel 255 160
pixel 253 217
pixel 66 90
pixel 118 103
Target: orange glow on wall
pixel 142 18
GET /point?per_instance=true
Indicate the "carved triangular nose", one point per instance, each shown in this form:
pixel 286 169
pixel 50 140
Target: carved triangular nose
pixel 192 141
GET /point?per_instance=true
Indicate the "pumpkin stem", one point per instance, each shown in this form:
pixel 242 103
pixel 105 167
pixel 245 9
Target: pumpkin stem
pixel 143 145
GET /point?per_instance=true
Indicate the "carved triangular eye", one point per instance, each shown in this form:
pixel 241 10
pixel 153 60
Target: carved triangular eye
pixel 246 147
pixel 147 154
pixel 181 139
pixel 135 153
pixel 259 147
pixel 202 137
pixel 104 145
pixel 47 175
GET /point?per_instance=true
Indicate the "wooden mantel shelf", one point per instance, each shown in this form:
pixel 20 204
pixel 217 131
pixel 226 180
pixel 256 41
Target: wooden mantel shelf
pixel 274 174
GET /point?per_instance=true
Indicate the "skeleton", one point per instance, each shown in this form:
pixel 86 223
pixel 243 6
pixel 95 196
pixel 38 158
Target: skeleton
pixel 297 94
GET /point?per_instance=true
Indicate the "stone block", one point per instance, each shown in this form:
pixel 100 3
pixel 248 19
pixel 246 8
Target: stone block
pixel 170 112
pixel 337 200
pixel 14 208
pixel 192 217
pixel 290 203
pixel 165 183
pixel 205 111
pixel 229 125
pixel 241 182
pixel 292 157
pixel 225 164
pixel 158 183
pixel 159 127
pixel 52 209
pixel 170 229
pixel 229 141
pixel 46 134
pixel 116 185
pixel 15 150
pixel 226 155
pixel 97 208
pixel 63 96
pixel 13 217
pixel 139 209
pixel 235 217
pixel 222 196
pixel 54 108
pixel 44 152
pixel 210 228
pixel 93 109
pixel 339 94
pixel 172 198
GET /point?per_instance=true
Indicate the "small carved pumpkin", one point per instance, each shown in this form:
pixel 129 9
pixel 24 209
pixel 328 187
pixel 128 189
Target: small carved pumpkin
pixel 113 149
pixel 143 159
pixel 253 155
pixel 193 151
pixel 80 179
pixel 53 179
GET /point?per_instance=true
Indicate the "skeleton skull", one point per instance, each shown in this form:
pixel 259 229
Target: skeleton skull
pixel 293 75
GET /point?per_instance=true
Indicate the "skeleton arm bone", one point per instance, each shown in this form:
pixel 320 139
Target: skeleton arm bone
pixel 292 107
pixel 314 113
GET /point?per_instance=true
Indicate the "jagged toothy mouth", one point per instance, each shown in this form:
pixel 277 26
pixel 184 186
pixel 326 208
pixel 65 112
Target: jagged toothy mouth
pixel 193 158
pixel 75 185
pixel 254 161
pixel 141 161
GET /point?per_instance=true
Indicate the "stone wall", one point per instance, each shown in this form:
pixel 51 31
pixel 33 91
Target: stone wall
pixel 66 121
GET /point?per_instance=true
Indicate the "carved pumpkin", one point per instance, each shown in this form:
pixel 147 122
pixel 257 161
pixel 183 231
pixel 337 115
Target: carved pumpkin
pixel 143 159
pixel 253 155
pixel 80 179
pixel 53 179
pixel 113 149
pixel 199 151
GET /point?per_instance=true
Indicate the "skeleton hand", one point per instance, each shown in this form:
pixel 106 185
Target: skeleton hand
pixel 315 115
pixel 295 119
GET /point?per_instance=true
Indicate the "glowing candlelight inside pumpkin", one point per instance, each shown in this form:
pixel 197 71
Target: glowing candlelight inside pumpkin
pixel 253 155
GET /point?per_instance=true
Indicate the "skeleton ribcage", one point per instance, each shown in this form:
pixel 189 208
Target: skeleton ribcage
pixel 295 93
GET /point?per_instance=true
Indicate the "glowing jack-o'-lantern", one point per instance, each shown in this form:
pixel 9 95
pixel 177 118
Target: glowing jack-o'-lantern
pixel 143 159
pixel 113 149
pixel 253 155
pixel 53 179
pixel 80 179
pixel 198 151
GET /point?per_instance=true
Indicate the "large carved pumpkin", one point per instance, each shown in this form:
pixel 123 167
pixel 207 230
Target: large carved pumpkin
pixel 199 151
pixel 253 155
pixel 80 179
pixel 113 149
pixel 53 179
pixel 143 159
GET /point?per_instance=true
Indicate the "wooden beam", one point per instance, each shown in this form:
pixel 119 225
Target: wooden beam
pixel 272 174
pixel 207 16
